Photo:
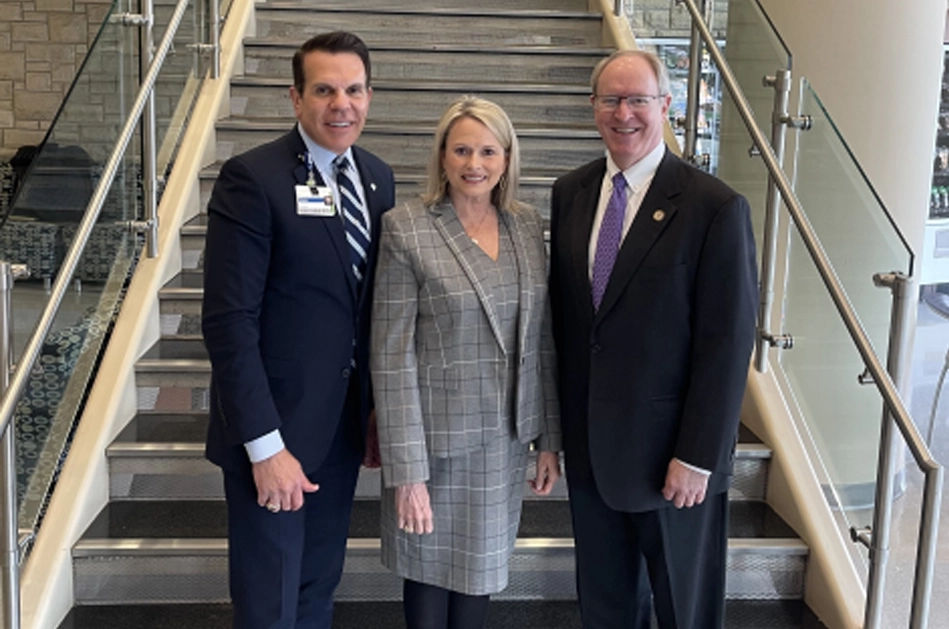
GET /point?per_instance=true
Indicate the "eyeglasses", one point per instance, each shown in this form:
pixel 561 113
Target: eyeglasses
pixel 635 102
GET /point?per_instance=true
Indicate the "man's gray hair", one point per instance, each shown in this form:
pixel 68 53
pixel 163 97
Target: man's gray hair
pixel 658 68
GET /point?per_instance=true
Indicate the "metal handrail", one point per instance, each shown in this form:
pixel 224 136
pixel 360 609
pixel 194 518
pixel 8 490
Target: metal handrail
pixel 932 492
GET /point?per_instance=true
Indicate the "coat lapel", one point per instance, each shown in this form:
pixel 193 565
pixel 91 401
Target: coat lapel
pixel 580 229
pixel 655 213
pixel 449 226
pixel 525 276
pixel 333 225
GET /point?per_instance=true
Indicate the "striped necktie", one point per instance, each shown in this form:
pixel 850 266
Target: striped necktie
pixel 357 233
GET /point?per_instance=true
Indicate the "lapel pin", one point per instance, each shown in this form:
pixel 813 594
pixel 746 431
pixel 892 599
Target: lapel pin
pixel 658 215
pixel 373 186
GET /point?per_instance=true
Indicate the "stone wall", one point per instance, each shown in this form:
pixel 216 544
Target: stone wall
pixel 666 18
pixel 42 44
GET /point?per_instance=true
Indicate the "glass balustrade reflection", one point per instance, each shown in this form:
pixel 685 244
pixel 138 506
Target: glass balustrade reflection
pixel 860 239
pixel 49 207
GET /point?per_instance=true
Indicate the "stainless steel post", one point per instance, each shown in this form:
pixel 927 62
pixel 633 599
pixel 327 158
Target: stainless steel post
pixel 782 93
pixel 149 142
pixel 692 104
pixel 10 578
pixel 215 38
pixel 898 284
pixel 618 8
pixel 926 550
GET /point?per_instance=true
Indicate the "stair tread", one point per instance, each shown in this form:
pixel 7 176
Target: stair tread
pixel 277 7
pixel 206 519
pixel 409 47
pixel 163 427
pixel 739 614
pixel 384 85
pixel 236 123
pixel 189 425
pixel 528 176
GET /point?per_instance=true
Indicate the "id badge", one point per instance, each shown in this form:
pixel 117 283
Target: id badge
pixel 316 201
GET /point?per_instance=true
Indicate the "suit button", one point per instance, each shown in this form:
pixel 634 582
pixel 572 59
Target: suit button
pixel 346 372
pixel 596 348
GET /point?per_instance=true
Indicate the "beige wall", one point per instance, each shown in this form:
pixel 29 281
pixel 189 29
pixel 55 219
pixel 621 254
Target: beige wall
pixel 42 43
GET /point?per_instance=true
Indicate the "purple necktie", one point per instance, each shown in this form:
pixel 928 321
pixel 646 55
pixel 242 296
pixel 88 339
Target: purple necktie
pixel 607 243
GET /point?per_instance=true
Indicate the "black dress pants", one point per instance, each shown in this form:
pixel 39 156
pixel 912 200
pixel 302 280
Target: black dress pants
pixel 673 559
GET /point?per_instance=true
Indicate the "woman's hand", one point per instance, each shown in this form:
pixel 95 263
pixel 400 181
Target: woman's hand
pixel 548 471
pixel 413 508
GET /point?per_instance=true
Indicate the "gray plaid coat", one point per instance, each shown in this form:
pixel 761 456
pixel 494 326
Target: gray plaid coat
pixel 438 363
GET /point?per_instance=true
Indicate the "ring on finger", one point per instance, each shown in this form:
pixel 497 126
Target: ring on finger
pixel 273 507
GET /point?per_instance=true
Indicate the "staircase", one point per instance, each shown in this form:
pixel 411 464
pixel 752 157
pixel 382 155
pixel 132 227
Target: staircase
pixel 156 554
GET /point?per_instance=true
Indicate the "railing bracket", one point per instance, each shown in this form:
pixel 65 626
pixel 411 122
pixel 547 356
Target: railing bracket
pixel 866 377
pixel 862 535
pixel 801 123
pixel 781 341
pixel 701 160
pixel 130 19
pixel 139 227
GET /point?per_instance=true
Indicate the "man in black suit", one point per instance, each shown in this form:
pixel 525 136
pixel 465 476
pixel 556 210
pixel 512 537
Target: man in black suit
pixel 653 288
pixel 292 238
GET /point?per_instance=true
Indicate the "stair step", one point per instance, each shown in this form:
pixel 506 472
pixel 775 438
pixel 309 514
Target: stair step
pixel 546 5
pixel 535 191
pixel 562 65
pixel 408 146
pixel 160 456
pixel 141 552
pixel 751 523
pixel 474 26
pixel 401 101
pixel 739 614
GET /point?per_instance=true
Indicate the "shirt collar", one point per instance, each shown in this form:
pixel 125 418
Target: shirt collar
pixel 322 158
pixel 640 173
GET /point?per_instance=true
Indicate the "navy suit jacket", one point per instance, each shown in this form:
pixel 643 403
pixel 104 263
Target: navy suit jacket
pixel 282 318
pixel 659 370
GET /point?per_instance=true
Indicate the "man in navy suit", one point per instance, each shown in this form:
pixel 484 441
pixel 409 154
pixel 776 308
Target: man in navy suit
pixel 292 239
pixel 653 289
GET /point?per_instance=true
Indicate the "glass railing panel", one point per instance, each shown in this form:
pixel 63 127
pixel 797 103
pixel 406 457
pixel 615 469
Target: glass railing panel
pixel 179 82
pixel 44 220
pixel 753 50
pixel 62 176
pixel 856 230
pixel 860 239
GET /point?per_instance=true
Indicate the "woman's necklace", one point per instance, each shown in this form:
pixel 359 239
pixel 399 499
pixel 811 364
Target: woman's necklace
pixel 477 230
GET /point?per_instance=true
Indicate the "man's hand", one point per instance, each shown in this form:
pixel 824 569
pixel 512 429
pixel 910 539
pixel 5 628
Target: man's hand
pixel 548 471
pixel 371 458
pixel 281 482
pixel 414 509
pixel 684 487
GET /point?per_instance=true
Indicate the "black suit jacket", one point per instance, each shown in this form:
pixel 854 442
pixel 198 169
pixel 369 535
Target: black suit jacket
pixel 659 370
pixel 282 318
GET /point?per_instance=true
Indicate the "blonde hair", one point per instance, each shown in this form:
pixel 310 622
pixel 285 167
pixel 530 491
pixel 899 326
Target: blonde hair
pixel 504 195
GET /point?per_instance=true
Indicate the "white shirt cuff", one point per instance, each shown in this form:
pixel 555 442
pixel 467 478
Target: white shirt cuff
pixel 264 447
pixel 691 467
